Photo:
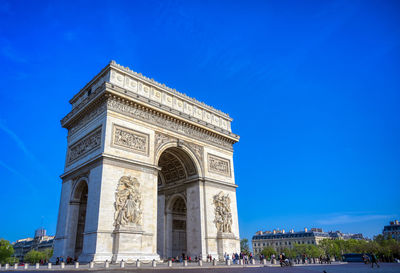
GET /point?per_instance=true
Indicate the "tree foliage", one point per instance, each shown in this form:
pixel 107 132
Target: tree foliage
pixel 268 251
pixel 385 249
pixel 34 256
pixel 244 246
pixel 6 251
pixel 308 250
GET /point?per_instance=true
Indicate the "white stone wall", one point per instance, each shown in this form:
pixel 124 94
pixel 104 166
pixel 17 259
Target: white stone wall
pixel 233 245
pixel 107 163
pixel 115 119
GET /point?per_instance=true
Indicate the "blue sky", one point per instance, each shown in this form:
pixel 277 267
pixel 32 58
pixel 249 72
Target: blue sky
pixel 313 87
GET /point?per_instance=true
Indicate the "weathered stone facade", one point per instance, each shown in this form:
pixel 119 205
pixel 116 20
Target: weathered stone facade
pixel 149 173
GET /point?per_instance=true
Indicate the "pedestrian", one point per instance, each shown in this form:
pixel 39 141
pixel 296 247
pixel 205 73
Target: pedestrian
pixel 374 260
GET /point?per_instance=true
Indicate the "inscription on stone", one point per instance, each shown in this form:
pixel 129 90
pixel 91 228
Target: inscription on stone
pixel 131 140
pixel 219 165
pixel 82 147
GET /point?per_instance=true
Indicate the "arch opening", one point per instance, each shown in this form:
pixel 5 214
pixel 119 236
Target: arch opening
pixel 177 168
pixel 81 196
pixel 179 243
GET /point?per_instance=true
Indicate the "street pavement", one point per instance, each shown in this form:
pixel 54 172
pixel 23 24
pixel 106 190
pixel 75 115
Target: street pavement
pixel 342 268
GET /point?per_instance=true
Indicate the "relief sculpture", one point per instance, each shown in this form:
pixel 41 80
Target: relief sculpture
pixel 82 147
pixel 223 214
pixel 219 165
pixel 131 140
pixel 128 202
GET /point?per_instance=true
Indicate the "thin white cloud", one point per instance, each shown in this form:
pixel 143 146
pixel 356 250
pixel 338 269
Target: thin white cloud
pixel 348 218
pixel 18 141
pixel 26 180
pixel 21 145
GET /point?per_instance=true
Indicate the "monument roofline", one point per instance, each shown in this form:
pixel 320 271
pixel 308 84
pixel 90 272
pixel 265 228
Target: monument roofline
pixel 150 81
pixel 134 87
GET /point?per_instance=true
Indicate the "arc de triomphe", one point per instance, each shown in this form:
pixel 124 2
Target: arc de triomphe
pixel 148 174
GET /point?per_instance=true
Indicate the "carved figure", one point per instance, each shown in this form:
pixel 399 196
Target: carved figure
pixel 223 214
pixel 128 202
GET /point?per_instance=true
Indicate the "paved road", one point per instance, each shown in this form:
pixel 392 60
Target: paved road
pixel 346 268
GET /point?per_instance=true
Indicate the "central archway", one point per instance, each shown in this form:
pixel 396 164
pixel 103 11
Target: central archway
pixel 178 169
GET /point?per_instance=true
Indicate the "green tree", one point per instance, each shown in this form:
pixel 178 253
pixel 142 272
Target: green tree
pixel 48 253
pixel 289 252
pixel 267 252
pixel 244 246
pixel 34 256
pixel 6 251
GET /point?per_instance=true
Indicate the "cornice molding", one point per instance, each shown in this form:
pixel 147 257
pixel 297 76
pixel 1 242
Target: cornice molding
pixel 138 111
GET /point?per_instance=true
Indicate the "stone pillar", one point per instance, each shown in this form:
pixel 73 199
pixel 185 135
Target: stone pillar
pixel 264 261
pixel 169 263
pixel 214 262
pixel 91 265
pixel 253 261
pixel 122 264
pixel 224 242
pixel 185 263
pixel 154 263
pixel 62 265
pixel 106 264
pixel 228 262
pixel 168 234
pixel 200 263
pixel 76 265
pixel 49 265
pixel 37 265
pixel 16 266
pixel 26 266
pixel 137 263
pixel 7 266
pixel 194 225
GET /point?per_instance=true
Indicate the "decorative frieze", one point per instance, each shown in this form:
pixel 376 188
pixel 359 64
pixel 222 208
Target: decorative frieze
pixel 130 140
pixel 128 202
pixel 198 151
pixel 161 139
pixel 82 147
pixel 223 214
pixel 88 118
pixel 167 96
pixel 167 123
pixel 219 165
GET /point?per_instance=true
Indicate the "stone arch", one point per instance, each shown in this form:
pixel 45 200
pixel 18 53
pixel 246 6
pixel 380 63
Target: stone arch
pixel 179 166
pixel 184 147
pixel 176 210
pixel 77 188
pixel 79 200
pixel 172 199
